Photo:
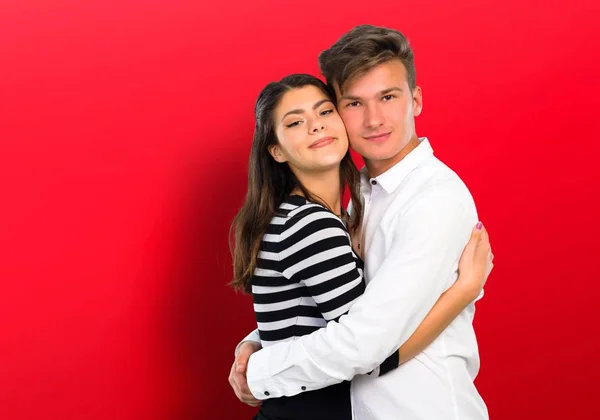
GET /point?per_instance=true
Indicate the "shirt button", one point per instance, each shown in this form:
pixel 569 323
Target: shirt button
pixel 267 393
pixel 303 388
pixel 373 182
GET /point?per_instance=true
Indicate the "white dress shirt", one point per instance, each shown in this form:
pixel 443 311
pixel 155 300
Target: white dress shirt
pixel 418 217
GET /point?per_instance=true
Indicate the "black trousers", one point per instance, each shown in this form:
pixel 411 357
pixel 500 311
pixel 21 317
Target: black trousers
pixel 330 403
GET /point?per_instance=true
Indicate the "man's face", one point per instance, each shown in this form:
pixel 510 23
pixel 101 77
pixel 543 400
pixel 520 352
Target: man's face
pixel 378 110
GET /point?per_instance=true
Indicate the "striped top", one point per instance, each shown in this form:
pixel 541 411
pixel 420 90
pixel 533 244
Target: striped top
pixel 307 273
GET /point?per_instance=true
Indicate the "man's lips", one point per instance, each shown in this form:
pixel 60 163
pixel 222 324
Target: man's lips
pixel 378 137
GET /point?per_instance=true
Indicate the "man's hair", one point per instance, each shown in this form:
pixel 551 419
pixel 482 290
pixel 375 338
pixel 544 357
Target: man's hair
pixel 361 49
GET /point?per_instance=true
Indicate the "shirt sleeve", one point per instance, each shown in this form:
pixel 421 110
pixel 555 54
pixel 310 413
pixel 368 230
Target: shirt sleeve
pixel 425 246
pixel 253 337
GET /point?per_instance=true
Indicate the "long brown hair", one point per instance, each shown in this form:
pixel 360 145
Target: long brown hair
pixel 270 182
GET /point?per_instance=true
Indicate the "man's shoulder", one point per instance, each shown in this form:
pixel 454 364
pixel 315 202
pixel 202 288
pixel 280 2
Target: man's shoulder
pixel 438 179
pixel 437 170
pixel 434 188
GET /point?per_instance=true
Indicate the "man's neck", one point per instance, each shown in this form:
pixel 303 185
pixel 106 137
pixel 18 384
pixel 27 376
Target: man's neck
pixel 325 186
pixel 378 167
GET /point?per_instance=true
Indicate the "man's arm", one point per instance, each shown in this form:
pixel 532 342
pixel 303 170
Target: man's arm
pixel 428 240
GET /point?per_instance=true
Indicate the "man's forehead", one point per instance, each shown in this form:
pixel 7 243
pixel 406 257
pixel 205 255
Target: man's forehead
pixel 392 72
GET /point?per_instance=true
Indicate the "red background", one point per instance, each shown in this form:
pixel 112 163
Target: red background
pixel 125 128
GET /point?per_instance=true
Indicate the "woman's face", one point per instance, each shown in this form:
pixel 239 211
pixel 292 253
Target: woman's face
pixel 311 134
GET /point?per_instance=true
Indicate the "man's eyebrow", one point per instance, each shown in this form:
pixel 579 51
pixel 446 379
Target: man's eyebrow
pixel 383 92
pixel 392 89
pixel 349 98
pixel 301 111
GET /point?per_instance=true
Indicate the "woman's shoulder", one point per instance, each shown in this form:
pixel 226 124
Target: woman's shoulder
pixel 297 209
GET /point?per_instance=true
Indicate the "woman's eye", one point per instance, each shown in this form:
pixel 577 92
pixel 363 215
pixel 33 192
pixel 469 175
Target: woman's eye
pixel 293 124
pixel 327 111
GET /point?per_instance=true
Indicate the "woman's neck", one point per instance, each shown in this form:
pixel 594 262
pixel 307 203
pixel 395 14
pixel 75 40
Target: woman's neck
pixel 325 186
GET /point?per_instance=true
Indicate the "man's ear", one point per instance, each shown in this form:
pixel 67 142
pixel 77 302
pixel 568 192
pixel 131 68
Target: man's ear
pixel 277 154
pixel 417 101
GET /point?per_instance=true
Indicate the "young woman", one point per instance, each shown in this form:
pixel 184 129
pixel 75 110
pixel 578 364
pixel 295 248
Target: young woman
pixel 292 243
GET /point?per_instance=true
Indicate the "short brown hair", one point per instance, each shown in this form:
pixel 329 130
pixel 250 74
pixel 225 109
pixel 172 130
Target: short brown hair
pixel 361 49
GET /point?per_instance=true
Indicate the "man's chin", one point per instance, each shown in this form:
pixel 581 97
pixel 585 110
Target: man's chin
pixel 376 155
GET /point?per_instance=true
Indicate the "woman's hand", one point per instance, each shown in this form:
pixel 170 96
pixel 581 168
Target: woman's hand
pixel 476 262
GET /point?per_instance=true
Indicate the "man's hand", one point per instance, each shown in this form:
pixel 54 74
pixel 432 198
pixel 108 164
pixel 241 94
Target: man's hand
pixel 237 375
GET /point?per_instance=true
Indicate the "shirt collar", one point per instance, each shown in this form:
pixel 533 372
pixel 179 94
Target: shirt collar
pixel 390 179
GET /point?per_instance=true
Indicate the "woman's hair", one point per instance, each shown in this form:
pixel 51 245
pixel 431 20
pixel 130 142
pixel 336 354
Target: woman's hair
pixel 270 182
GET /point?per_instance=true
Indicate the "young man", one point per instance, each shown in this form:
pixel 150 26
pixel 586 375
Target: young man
pixel 418 218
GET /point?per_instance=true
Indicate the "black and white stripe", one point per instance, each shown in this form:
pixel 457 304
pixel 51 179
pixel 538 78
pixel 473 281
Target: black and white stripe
pixel 307 273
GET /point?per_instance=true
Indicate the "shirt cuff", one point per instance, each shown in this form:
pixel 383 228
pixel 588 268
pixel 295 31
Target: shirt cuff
pixel 389 364
pixel 258 377
pixel 287 372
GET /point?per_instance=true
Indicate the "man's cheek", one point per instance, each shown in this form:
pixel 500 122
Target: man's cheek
pixel 352 128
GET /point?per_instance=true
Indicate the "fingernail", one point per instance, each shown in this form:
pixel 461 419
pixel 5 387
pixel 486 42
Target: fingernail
pixel 479 225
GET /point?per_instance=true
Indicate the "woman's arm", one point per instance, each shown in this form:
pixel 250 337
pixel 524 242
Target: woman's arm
pixel 474 267
pixel 446 309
